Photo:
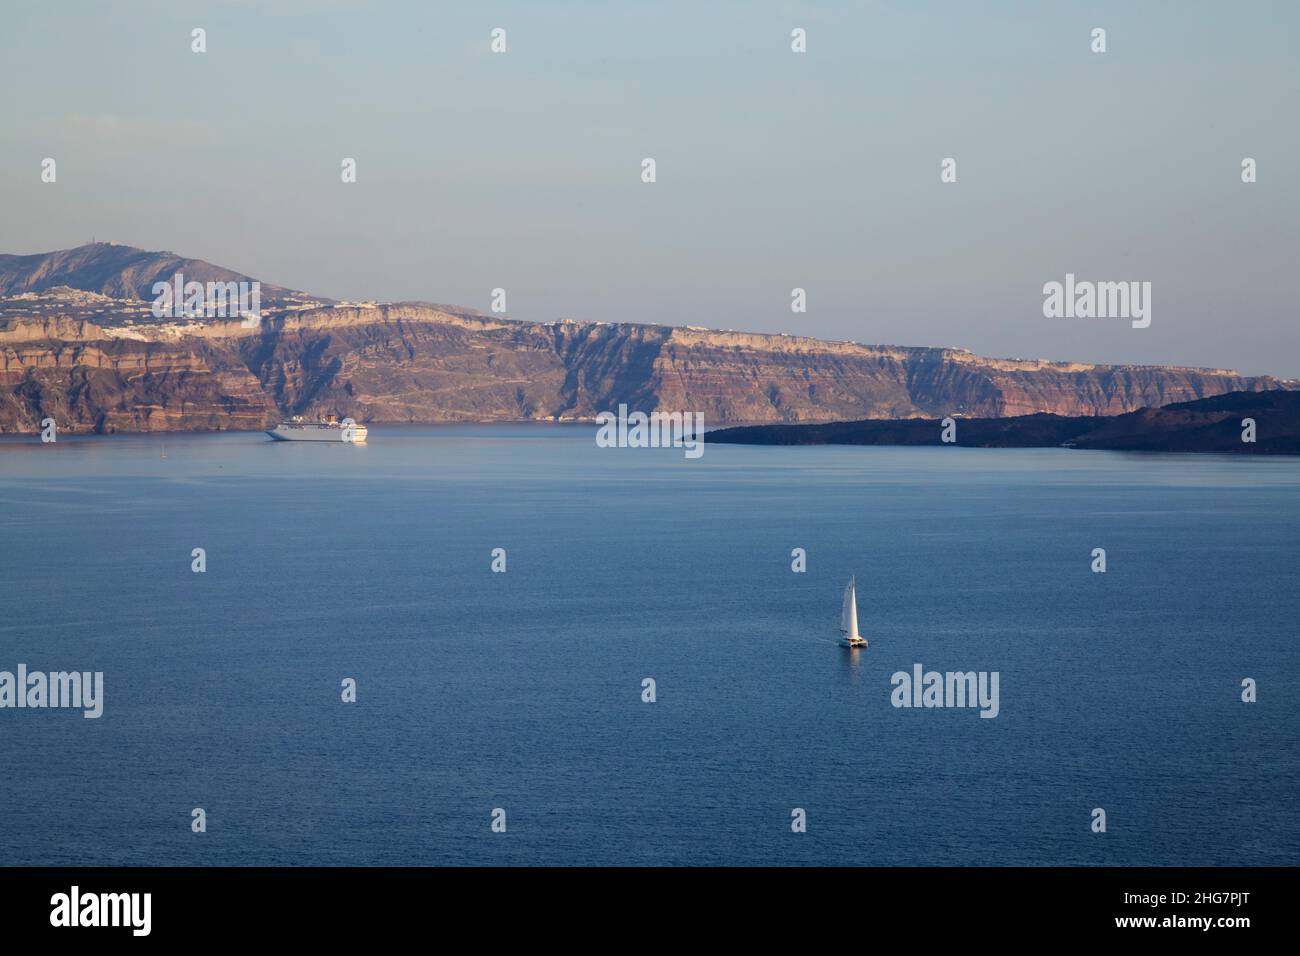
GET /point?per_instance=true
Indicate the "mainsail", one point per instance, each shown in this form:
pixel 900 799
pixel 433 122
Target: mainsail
pixel 849 614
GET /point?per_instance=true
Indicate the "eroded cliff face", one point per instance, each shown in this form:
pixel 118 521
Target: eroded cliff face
pixel 91 381
pixel 756 378
pixel 416 363
pixel 406 364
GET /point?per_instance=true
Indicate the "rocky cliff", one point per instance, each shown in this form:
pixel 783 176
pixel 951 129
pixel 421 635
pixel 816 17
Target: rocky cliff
pixel 420 363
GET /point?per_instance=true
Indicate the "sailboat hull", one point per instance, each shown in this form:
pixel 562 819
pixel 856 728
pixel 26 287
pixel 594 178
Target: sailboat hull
pixel 855 642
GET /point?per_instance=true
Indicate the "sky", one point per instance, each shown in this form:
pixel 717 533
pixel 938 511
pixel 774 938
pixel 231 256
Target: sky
pixel 775 170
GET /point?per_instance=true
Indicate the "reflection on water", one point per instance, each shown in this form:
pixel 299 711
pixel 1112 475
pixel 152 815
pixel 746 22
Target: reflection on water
pixel 854 656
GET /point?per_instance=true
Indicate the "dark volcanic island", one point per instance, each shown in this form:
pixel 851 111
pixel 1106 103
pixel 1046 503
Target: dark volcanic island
pixel 1209 425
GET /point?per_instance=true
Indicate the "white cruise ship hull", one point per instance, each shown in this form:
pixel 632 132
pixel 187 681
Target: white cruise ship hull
pixel 315 431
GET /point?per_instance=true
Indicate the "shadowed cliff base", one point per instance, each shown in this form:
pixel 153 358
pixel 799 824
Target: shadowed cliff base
pixel 1209 425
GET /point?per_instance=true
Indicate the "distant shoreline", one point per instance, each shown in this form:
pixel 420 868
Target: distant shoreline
pixel 93 433
pixel 1265 423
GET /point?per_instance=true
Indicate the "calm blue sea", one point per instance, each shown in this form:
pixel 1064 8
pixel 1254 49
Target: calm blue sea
pixel 522 690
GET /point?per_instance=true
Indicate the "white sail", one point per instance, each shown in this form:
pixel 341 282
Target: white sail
pixel 849 613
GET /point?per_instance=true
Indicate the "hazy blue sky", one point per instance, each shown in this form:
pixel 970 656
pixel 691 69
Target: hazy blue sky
pixel 775 169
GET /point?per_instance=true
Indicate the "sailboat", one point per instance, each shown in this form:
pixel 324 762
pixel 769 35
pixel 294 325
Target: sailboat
pixel 849 618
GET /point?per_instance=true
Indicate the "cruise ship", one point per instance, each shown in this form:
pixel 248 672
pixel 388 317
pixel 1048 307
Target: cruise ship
pixel 297 429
